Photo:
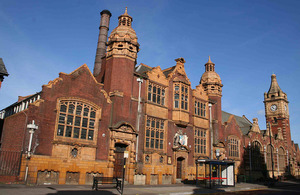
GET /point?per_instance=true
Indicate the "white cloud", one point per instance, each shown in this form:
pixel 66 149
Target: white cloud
pixel 260 112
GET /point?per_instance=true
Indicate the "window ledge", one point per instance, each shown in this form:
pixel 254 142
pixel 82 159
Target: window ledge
pixel 72 142
pixel 149 102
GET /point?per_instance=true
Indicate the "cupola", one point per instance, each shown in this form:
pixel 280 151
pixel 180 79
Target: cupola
pixel 210 80
pixel 123 40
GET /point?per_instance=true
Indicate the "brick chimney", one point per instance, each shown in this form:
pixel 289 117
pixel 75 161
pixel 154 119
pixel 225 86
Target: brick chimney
pixel 101 47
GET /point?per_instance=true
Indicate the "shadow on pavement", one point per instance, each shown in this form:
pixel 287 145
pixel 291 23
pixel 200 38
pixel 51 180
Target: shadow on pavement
pixel 82 192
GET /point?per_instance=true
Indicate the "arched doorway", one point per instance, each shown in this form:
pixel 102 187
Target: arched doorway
pixel 119 159
pixel 179 171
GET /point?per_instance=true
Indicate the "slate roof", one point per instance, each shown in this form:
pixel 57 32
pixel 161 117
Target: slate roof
pixel 3 70
pixel 168 70
pixel 296 147
pixel 142 69
pixel 244 124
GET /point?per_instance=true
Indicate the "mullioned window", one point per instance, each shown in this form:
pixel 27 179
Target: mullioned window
pixel 155 129
pixel 156 94
pixel 76 120
pixel 200 141
pixel 181 96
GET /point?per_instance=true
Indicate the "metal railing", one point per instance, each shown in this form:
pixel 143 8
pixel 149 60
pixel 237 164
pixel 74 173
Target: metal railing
pixel 10 162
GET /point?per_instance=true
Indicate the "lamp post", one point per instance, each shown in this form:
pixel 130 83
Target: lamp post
pixel 211 131
pixel 31 127
pixel 250 161
pixel 140 81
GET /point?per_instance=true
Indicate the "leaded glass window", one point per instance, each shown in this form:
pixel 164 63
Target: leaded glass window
pixel 76 120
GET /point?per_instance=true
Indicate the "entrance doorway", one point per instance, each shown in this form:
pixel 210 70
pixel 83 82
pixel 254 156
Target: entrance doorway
pixel 119 159
pixel 179 167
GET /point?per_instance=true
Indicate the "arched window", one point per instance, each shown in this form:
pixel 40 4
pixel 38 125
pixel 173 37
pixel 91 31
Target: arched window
pixel 270 153
pixel 76 119
pixel 256 156
pixel 233 147
pixel 281 156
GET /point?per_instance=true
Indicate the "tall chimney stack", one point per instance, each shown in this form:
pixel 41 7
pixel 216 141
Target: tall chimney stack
pixel 101 47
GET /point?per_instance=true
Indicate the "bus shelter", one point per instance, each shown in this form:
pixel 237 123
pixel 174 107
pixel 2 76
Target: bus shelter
pixel 212 173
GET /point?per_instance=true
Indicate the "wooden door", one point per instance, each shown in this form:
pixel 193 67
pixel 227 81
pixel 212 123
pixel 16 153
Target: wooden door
pixel 119 160
pixel 179 168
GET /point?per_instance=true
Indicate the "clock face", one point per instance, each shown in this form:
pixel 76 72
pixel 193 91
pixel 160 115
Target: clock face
pixel 273 107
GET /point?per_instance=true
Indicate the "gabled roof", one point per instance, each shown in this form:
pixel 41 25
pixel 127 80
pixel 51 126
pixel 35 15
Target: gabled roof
pixel 242 122
pixel 142 69
pixel 168 70
pixel 296 147
pixel 3 70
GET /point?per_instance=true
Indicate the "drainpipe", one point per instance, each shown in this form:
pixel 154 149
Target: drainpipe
pixel 26 119
pixel 140 81
pixel 211 131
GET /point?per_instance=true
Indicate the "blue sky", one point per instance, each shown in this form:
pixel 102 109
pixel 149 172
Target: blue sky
pixel 247 40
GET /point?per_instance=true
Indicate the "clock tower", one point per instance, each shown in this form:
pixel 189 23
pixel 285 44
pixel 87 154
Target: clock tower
pixel 277 112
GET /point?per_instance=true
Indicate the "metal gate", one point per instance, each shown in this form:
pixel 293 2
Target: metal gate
pixel 10 162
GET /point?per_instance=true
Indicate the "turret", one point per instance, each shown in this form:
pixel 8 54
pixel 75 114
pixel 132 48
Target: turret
pixel 122 41
pixel 277 113
pixel 212 84
pixel 210 80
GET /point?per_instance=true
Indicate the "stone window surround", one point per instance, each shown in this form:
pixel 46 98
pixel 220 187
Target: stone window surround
pixel 268 156
pixel 200 108
pixel 256 155
pixel 281 157
pixel 77 140
pixel 200 138
pixel 233 147
pixel 181 96
pixel 158 96
pixel 157 127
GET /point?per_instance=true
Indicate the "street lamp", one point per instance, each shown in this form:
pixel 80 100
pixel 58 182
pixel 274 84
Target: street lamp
pixel 250 161
pixel 218 153
pixel 32 127
pixel 211 131
pixel 140 81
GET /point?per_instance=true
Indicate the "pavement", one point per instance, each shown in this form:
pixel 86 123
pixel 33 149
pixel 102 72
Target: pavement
pixel 174 189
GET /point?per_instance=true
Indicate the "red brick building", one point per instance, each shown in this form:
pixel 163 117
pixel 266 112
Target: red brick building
pixel 87 121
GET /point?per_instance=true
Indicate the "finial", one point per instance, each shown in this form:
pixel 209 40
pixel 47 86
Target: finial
pixel 125 10
pixel 209 61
